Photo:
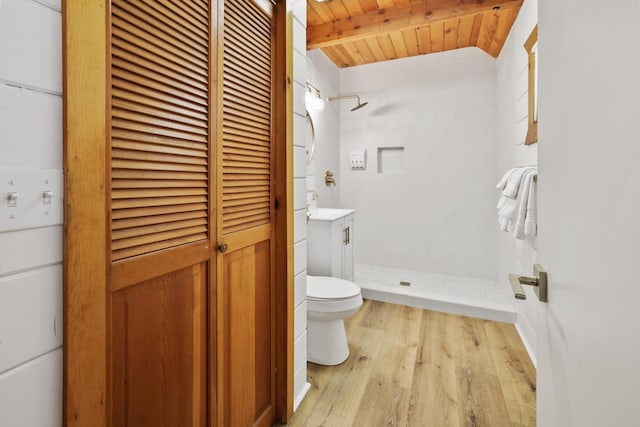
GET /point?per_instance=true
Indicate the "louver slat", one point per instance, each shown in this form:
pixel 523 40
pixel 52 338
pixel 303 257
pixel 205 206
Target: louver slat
pixel 159 127
pixel 246 125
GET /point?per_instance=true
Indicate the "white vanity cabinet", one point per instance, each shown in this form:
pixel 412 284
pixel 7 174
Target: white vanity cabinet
pixel 330 237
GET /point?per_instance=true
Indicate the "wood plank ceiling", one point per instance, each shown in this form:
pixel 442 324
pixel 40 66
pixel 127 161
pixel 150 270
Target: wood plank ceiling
pixel 356 32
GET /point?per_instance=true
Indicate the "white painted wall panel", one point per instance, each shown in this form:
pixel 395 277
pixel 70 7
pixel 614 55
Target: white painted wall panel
pixel 30 315
pixel 300 251
pixel 300 351
pixel 299 194
pixel 324 74
pixel 31 44
pixel 299 225
pixel 299 9
pixel 300 379
pixel 299 162
pixel 54 4
pixel 299 66
pixel 31 395
pixel 298 99
pixel 516 256
pixel 300 293
pixel 299 38
pixel 28 249
pixel 299 131
pixel 31 126
pixel 300 319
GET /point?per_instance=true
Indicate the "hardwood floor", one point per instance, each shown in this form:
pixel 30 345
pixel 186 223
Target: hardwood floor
pixel 413 367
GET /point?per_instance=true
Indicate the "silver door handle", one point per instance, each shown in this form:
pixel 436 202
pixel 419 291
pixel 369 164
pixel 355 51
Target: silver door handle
pixel 539 281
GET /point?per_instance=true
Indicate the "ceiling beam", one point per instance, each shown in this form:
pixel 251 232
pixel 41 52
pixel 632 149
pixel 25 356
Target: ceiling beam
pixel 412 15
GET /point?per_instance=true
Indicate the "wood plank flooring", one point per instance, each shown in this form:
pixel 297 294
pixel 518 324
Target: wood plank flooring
pixel 413 367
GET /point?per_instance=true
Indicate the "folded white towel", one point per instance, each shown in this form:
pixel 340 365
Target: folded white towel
pixel 523 199
pixel 503 182
pixel 517 202
pixel 514 181
pixel 531 220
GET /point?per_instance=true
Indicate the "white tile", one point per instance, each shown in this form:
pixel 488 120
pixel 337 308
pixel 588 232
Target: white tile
pixel 31 124
pixel 31 395
pixel 30 315
pixel 299 162
pixel 299 67
pixel 300 292
pixel 298 99
pixel 31 48
pixel 300 319
pixel 300 257
pixel 299 37
pixel 300 351
pixel 22 250
pixel 299 225
pixel 299 194
pixel 299 131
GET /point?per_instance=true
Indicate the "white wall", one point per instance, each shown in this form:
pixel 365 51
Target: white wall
pixel 438 215
pixel 516 256
pixel 301 386
pixel 324 75
pixel 589 200
pixel 30 270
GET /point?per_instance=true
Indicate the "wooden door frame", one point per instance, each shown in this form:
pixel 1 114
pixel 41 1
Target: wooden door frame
pixel 87 270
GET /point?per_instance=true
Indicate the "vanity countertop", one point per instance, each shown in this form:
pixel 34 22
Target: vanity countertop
pixel 329 214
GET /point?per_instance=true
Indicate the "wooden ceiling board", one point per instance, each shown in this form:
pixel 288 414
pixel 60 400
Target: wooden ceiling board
pixel 356 32
pixel 369 5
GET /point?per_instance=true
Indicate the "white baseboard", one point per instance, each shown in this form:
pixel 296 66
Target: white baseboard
pixel 300 397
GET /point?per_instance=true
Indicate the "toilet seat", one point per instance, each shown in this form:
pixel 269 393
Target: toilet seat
pixel 321 288
pixel 331 295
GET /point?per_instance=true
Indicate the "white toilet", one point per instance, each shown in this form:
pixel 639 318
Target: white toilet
pixel 330 300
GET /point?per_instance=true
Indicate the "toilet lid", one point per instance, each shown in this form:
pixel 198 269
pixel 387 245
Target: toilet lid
pixel 330 288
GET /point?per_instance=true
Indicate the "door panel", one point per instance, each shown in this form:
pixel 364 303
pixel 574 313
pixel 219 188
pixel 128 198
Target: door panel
pixel 246 196
pixel 159 351
pixel 246 288
pixel 161 196
pixel 169 152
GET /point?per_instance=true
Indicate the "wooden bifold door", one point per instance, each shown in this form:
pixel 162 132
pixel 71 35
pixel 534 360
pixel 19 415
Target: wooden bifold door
pixel 171 227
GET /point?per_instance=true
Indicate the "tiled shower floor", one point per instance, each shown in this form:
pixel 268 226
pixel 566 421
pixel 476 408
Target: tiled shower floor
pixel 480 298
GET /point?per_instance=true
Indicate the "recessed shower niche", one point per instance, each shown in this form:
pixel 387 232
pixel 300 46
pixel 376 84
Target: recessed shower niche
pixel 390 160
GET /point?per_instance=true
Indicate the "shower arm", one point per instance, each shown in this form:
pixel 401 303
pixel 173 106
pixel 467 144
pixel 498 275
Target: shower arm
pixel 337 98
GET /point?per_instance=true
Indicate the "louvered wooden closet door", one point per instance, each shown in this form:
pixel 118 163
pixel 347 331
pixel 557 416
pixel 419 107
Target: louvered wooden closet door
pixel 246 198
pixel 160 204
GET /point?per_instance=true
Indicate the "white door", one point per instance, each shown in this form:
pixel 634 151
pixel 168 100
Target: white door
pixel 589 213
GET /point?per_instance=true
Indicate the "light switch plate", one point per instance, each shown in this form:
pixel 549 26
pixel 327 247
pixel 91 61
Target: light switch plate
pixel 34 207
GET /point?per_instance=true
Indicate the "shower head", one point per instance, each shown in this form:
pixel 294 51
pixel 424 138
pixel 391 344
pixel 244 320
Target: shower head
pixel 358 106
